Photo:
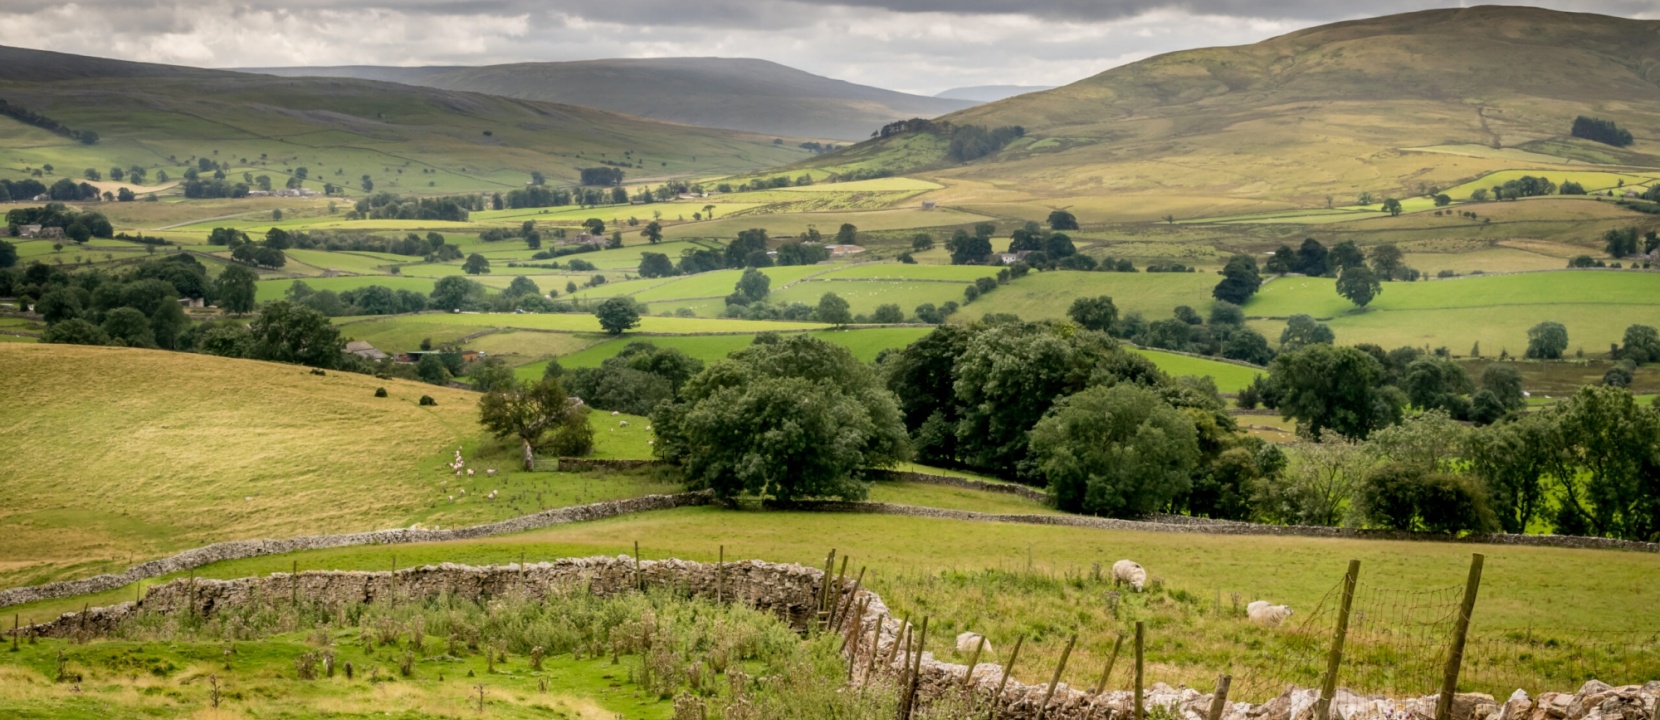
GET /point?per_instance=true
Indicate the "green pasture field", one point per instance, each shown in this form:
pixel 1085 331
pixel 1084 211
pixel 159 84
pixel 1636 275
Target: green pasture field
pixel 404 333
pixel 615 216
pixel 587 323
pixel 1230 378
pixel 351 262
pixel 899 271
pixel 1592 180
pixel 273 289
pixel 1490 260
pixel 792 224
pixel 720 283
pixel 518 346
pixel 863 296
pixel 1495 310
pixel 613 287
pixel 1047 295
pixel 865 343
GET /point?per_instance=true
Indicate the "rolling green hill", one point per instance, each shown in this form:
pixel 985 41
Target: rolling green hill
pixel 1379 105
pixel 406 138
pixel 735 93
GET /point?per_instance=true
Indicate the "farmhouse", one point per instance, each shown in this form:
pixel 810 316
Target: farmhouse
pixel 843 250
pixel 1014 257
pixel 37 231
pixel 416 355
pixel 190 302
pixel 584 239
pixel 365 350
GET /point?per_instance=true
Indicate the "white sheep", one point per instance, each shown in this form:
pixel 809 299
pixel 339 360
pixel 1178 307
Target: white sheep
pixel 615 413
pixel 469 472
pixel 622 423
pixel 490 472
pixel 452 498
pixel 966 642
pixel 1131 572
pixel 1267 615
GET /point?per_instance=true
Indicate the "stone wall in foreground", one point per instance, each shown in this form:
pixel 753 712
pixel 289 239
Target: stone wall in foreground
pixel 791 592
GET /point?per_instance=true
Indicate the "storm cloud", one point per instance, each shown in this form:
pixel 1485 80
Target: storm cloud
pixel 912 45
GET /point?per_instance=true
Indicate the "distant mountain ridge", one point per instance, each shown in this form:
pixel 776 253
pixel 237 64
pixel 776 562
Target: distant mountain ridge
pixel 731 93
pixel 990 93
pixel 402 137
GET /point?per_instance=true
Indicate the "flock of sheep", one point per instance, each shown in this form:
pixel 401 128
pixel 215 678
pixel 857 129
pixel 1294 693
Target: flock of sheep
pixel 461 470
pixel 1131 573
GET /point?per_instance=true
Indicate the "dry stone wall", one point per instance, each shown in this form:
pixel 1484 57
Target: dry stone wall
pixel 239 549
pixel 1198 525
pixel 874 648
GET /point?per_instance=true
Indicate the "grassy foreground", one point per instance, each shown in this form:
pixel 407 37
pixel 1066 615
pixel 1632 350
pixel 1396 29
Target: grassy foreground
pixel 1007 580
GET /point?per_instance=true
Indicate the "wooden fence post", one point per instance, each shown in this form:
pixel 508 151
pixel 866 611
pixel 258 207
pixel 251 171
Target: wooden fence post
pixel 1056 680
pixel 1140 644
pixel 1101 685
pixel 1328 685
pixel 1220 700
pixel 973 660
pixel 914 673
pixel 876 645
pixel 840 613
pixel 1461 629
pixel 1007 671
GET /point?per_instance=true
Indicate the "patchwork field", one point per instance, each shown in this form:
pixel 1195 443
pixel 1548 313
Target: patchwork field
pixel 1495 310
pixel 1047 295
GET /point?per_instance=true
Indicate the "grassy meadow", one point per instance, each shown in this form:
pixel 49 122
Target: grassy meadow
pixel 1495 310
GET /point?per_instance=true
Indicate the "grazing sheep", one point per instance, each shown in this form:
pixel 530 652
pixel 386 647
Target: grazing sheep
pixel 622 423
pixel 1129 572
pixel 469 472
pixel 452 498
pixel 1267 615
pixel 966 642
pixel 615 413
pixel 490 472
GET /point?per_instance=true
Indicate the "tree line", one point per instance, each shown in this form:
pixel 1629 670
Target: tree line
pixel 30 117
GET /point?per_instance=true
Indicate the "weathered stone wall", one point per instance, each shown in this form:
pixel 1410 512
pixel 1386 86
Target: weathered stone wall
pixel 581 464
pixel 791 592
pixel 1194 525
pixel 1030 493
pixel 239 549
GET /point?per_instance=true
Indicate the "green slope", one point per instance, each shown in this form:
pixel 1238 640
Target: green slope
pixel 407 139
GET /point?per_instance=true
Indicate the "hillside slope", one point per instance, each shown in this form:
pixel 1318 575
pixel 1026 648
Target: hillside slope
pixel 733 93
pixel 407 138
pixel 1369 105
pixel 116 453
pixel 990 93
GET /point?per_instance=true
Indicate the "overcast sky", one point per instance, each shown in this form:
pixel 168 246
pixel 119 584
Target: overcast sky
pixel 921 46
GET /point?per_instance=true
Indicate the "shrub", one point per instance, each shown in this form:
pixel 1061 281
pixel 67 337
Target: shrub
pixel 427 400
pixel 380 392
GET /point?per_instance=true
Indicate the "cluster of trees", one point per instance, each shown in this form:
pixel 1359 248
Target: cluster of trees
pixel 30 117
pixel 388 206
pixel 971 249
pixel 1385 262
pixel 1225 333
pixel 785 418
pixel 603 176
pixel 371 300
pixel 1050 404
pixel 818 148
pixel 539 415
pixel 137 308
pixel 69 190
pixel 1623 242
pixel 1527 186
pixel 267 252
pixel 535 196
pixel 635 381
pixel 24 189
pixel 1602 131
pixel 970 142
pixel 747 250
pixel 77 226
pixel 1587 466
